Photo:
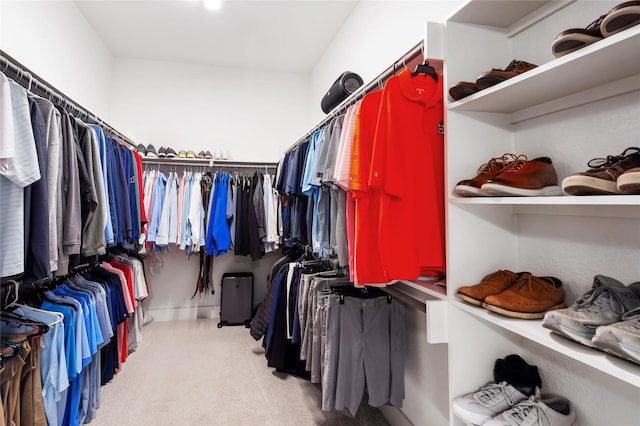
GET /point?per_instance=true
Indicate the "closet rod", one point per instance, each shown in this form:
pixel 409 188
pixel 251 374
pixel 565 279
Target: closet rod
pixel 38 86
pixel 208 163
pixel 375 83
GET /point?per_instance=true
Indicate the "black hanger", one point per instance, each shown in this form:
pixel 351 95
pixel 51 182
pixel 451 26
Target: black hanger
pixel 425 69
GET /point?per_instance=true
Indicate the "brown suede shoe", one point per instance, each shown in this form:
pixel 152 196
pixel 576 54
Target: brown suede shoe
pixel 601 178
pixel 495 76
pixel 490 169
pixel 524 178
pixel 529 298
pixel 492 284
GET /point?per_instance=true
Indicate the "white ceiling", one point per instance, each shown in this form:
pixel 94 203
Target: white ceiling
pixel 264 34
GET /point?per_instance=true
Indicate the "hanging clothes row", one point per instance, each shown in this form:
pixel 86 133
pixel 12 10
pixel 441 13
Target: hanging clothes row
pixel 216 213
pixel 368 188
pixel 70 190
pixel 66 339
pixel 348 339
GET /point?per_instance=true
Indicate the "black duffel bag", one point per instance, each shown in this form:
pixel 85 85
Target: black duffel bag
pixel 344 85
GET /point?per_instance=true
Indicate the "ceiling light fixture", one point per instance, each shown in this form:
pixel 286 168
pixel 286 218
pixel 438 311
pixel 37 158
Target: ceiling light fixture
pixel 213 4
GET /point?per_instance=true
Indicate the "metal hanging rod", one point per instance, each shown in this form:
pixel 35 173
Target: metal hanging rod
pixel 208 163
pixel 38 86
pixel 375 83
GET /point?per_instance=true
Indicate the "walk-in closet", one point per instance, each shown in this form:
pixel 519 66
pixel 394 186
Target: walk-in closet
pixel 351 212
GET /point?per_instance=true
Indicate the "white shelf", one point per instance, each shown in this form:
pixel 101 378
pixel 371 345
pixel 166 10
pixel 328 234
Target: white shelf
pixel 429 288
pixel 533 330
pixel 496 13
pixel 568 200
pixel 603 69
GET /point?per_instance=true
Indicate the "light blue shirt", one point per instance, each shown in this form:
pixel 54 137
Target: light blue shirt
pixel 156 206
pixel 53 364
pixel 309 164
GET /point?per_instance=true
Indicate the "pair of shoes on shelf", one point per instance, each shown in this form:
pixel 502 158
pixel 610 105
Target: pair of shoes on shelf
pixel 512 175
pixel 167 152
pixel 187 154
pixel 205 155
pixel 149 151
pixel 606 317
pixel 616 174
pixel 462 89
pixel 515 294
pixel 621 17
pixel 514 398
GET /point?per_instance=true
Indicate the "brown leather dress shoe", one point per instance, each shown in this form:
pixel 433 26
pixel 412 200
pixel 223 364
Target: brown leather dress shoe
pixel 471 187
pixel 529 298
pixel 495 76
pixel 492 284
pixel 524 178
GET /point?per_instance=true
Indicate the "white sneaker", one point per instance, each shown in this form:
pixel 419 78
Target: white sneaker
pixel 490 400
pixel 622 338
pixel 548 411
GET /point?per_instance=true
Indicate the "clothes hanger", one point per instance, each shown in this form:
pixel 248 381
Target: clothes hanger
pixel 425 69
pixel 17 350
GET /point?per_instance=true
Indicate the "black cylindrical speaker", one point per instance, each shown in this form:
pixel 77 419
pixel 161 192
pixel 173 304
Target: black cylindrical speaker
pixel 344 85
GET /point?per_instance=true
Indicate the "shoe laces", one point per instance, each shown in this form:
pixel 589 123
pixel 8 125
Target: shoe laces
pixel 513 65
pixel 495 162
pixel 595 299
pixel 494 392
pixel 598 164
pixel 518 163
pixel 595 24
pixel 525 412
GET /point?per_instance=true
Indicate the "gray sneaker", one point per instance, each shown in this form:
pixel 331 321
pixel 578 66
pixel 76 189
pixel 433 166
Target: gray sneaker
pixel 548 411
pixel 622 338
pixel 604 304
pixel 487 402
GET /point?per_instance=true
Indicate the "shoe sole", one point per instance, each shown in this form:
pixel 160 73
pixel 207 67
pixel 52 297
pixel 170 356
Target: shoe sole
pixel 468 416
pixel 497 190
pixel 629 183
pixel 587 185
pixel 521 315
pixel 571 42
pixel 462 91
pixel 469 300
pixel 553 324
pixel 609 343
pixel 468 191
pixel 620 20
pixel 488 81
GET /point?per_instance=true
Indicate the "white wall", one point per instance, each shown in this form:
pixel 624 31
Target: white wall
pixel 54 40
pixel 375 35
pixel 254 115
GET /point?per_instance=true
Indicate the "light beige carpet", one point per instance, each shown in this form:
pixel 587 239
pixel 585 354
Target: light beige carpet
pixel 193 373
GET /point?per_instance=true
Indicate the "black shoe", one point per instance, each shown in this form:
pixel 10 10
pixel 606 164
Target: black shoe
pixel 141 150
pixel 171 153
pixel 162 152
pixel 208 155
pixel 151 151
